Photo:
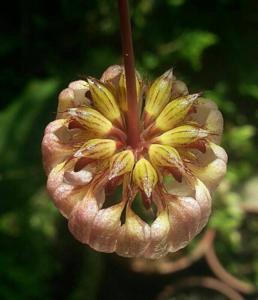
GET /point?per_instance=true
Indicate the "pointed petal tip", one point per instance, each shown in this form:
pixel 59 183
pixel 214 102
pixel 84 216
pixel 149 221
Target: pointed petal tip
pixel 91 79
pixel 197 95
pixel 169 73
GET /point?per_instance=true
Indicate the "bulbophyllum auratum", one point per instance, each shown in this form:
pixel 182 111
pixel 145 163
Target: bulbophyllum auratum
pixel 119 142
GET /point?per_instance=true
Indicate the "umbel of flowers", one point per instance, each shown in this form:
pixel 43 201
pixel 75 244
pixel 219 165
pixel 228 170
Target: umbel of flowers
pixel 98 181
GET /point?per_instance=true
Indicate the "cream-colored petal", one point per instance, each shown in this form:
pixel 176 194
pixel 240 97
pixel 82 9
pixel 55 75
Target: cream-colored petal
pixel 80 88
pixel 179 89
pixel 134 236
pixel 65 100
pixel 112 74
pixel 73 96
pixel 105 228
pixel 211 166
pixel 83 214
pixel 203 108
pixel 213 151
pixel 179 231
pixel 192 210
pixel 180 189
pixel 203 197
pixel 159 231
pixel 65 195
pixel 212 174
pixel 54 150
pixel 214 123
pixel 79 178
pixel 188 214
pixel 185 217
pixel 208 116
pixel 219 152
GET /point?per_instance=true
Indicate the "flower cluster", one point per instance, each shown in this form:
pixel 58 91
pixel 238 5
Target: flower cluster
pixel 99 182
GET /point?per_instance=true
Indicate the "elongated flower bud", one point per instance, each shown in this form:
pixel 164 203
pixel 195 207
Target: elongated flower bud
pixel 158 96
pixel 121 163
pixel 104 101
pixel 97 149
pixel 91 119
pixel 145 176
pixel 182 135
pixel 175 112
pixel 122 99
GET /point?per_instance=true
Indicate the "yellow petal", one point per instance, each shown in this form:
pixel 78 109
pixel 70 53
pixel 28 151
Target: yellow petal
pixel 121 163
pixel 175 112
pixel 158 95
pixel 182 135
pixel 91 120
pixel 97 149
pixel 104 101
pixel 145 176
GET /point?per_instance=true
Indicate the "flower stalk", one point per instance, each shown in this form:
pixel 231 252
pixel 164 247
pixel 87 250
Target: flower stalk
pixel 168 157
pixel 131 116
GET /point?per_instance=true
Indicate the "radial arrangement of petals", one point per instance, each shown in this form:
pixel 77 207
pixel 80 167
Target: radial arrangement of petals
pixel 144 201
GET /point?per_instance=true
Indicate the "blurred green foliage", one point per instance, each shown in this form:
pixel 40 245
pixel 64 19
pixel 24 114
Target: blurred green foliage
pixel 212 46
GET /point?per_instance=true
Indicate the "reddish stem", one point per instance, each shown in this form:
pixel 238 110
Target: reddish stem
pixel 128 54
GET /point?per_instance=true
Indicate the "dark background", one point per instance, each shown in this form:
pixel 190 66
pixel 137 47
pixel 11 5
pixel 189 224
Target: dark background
pixel 212 46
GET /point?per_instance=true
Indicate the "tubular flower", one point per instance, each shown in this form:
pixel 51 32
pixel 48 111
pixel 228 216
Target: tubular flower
pixel 98 181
